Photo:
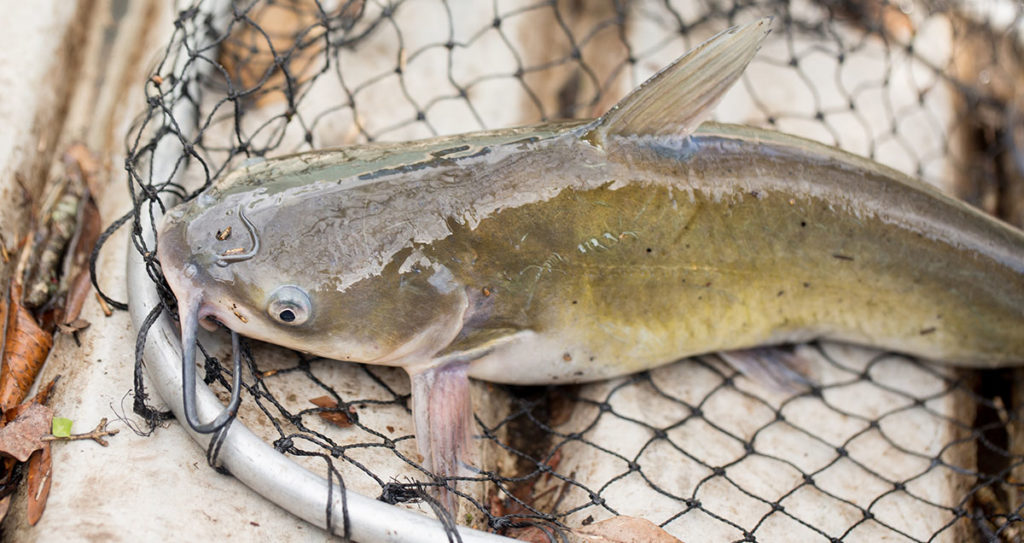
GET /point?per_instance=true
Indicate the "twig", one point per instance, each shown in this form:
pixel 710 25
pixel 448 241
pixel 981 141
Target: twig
pixel 96 435
pixel 103 305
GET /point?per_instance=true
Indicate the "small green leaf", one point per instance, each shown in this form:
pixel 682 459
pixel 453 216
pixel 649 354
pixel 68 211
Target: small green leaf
pixel 61 427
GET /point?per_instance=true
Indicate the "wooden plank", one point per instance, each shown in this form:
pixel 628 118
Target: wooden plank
pixel 37 71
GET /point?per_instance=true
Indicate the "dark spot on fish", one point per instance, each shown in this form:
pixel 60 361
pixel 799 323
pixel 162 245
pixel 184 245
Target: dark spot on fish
pixel 838 256
pixel 435 161
pixel 648 249
pixel 591 359
pixel 755 194
pixel 577 373
pixel 450 150
pixel 224 234
pixel 803 224
pixel 567 357
pixel 807 285
pixel 708 284
pixel 390 429
pixel 574 302
pixel 781 292
pixel 929 330
pixel 531 139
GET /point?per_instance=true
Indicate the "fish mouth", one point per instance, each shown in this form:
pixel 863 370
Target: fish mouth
pixel 183 271
pixel 186 278
pixel 209 318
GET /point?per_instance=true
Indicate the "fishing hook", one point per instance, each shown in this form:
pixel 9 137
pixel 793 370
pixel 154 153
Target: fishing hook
pixel 226 258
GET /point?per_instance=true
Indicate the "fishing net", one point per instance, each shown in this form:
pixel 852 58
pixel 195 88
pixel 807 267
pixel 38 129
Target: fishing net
pixel 883 447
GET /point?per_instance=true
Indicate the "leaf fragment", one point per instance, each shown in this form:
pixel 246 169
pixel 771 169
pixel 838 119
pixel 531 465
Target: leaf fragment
pixel 339 418
pixel 73 326
pixel 25 349
pixel 40 469
pixel 623 529
pixel 61 427
pixel 23 435
pixel 5 505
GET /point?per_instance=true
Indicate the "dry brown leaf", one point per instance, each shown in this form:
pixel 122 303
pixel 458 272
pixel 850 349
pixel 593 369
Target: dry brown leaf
pixel 41 396
pixel 888 15
pixel 73 326
pixel 78 289
pixel 530 534
pixel 614 530
pixel 4 306
pixel 88 164
pixel 80 162
pixel 23 435
pixel 251 54
pixel 623 530
pixel 25 349
pixel 40 469
pixel 5 505
pixel 340 419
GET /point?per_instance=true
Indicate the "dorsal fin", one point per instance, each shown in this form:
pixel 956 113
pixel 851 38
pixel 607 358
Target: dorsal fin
pixel 680 97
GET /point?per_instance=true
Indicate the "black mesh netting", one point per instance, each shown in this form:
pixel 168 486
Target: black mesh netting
pixel 884 448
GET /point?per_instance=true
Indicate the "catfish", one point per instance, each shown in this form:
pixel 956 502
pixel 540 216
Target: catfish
pixel 576 251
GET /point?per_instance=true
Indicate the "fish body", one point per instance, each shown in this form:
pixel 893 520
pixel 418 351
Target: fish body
pixel 610 262
pixel 582 250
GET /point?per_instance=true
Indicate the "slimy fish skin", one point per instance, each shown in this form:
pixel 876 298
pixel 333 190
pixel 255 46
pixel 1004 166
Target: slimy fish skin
pixel 582 250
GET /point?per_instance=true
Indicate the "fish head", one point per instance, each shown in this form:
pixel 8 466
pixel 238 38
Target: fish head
pixel 264 281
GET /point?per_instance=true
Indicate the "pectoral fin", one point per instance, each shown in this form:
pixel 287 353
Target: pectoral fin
pixel 443 410
pixel 443 415
pixel 680 97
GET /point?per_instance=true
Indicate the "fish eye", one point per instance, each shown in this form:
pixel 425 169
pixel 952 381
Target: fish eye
pixel 290 305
